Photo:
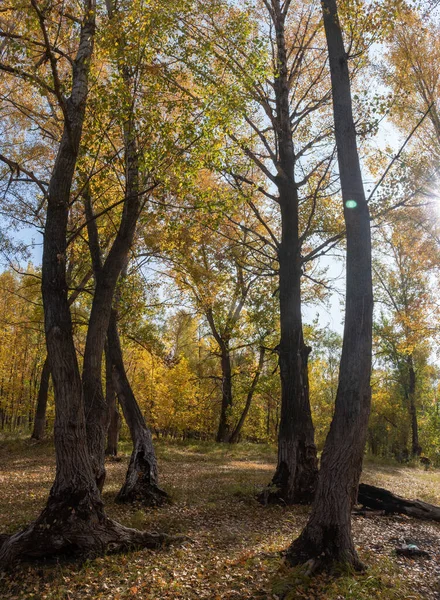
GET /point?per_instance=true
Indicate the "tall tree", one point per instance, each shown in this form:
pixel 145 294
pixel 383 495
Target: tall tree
pixel 73 519
pixel 327 536
pixel 141 481
pixel 276 78
pixel 217 265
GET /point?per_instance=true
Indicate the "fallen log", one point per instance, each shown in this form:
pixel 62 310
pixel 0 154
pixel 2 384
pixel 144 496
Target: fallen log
pixel 378 498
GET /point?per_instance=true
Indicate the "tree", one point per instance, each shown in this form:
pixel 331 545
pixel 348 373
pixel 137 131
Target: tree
pixel 74 517
pixel 407 264
pixel 276 68
pixel 327 537
pixel 43 390
pixel 40 412
pixel 217 266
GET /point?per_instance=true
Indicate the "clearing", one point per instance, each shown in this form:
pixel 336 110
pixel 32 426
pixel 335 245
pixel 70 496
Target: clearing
pixel 234 552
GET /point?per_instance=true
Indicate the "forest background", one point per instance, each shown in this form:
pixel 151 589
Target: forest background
pixel 202 270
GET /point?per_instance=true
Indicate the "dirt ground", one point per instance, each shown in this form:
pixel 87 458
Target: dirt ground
pixel 235 543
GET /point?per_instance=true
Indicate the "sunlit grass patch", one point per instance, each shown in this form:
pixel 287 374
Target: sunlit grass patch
pixel 384 583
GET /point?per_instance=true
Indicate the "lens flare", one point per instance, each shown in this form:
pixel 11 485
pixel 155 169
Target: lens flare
pixel 351 204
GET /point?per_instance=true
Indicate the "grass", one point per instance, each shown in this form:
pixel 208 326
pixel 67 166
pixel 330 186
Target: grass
pixel 377 583
pixel 236 543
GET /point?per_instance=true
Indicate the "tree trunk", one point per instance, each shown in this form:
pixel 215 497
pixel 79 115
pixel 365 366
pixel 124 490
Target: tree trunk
pixel 415 445
pixel 378 498
pixel 105 284
pixel 327 537
pixel 73 520
pixel 40 413
pixel 235 436
pixel 115 420
pixel 74 502
pixel 141 481
pixel 297 467
pixel 106 279
pixel 223 431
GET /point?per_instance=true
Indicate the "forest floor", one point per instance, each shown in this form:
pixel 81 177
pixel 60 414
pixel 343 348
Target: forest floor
pixel 235 543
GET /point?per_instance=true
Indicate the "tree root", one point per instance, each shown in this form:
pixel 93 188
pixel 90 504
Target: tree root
pixel 322 555
pixel 271 494
pixel 141 479
pixel 143 493
pixel 85 532
pixel 286 489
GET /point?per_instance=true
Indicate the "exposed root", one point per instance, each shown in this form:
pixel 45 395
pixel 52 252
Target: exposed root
pixel 142 493
pixel 286 490
pixel 322 555
pixel 271 494
pixel 140 482
pixel 83 531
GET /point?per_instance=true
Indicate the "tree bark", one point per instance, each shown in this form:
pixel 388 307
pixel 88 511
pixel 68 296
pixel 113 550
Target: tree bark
pixel 115 420
pixel 327 537
pixel 223 431
pixel 74 502
pixel 106 279
pixel 222 339
pixel 235 435
pixel 141 481
pixel 378 498
pixel 40 413
pixel 73 521
pixel 297 467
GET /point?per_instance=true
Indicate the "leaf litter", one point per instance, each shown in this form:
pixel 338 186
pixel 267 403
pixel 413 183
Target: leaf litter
pixel 234 552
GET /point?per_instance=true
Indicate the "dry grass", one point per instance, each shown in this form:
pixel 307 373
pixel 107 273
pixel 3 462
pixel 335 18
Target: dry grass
pixel 234 553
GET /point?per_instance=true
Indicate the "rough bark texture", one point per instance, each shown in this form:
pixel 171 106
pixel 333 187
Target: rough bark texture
pixel 106 279
pixel 327 537
pixel 74 507
pixel 297 468
pixel 223 431
pixel 74 521
pixel 141 481
pixel 68 527
pixel 115 420
pixel 378 498
pixel 40 413
pixel 235 435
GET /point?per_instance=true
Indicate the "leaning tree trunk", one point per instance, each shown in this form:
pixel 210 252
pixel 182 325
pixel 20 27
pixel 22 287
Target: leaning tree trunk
pixel 105 284
pixel 297 467
pixel 327 537
pixel 141 481
pixel 107 276
pixel 40 413
pixel 74 506
pixel 235 435
pixel 223 431
pixel 115 420
pixel 73 520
